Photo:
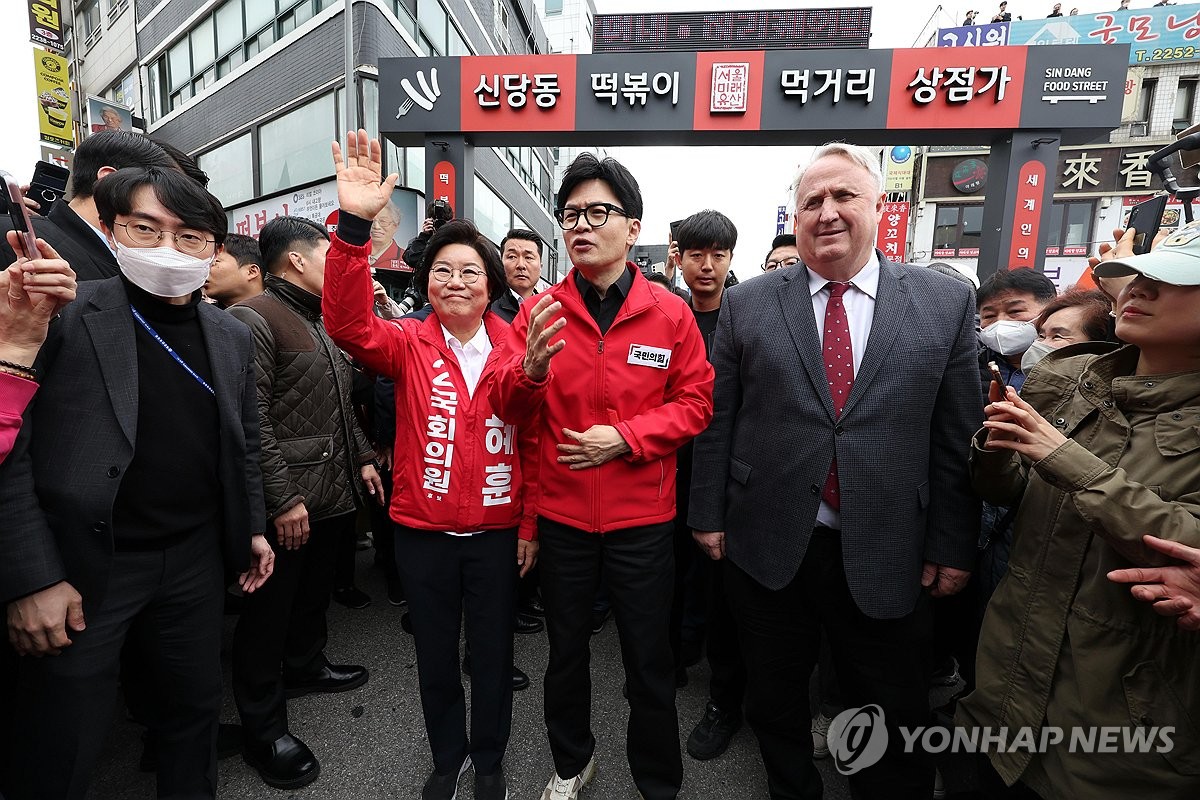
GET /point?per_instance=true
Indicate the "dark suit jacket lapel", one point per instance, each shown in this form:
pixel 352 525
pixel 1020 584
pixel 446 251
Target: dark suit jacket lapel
pixel 795 303
pixel 104 263
pixel 223 361
pixel 110 325
pixel 891 307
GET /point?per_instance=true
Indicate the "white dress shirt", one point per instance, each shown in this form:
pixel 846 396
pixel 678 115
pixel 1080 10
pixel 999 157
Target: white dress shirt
pixel 859 302
pixel 471 356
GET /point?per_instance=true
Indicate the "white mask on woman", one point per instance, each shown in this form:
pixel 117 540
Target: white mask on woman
pixel 1008 337
pixel 1036 352
pixel 162 271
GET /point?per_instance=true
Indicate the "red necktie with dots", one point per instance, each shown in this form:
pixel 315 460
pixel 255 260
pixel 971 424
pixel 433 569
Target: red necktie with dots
pixel 839 370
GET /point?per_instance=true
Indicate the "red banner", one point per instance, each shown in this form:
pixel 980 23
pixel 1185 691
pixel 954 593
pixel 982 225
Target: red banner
pixel 893 231
pixel 443 185
pixel 1027 216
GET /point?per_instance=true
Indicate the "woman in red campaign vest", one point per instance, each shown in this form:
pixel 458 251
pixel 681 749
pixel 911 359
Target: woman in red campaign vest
pixel 457 502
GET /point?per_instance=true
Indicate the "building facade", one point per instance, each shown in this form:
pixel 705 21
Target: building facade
pixel 256 91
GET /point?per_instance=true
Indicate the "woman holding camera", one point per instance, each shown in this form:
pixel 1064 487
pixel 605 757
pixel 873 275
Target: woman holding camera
pixel 1101 447
pixel 457 499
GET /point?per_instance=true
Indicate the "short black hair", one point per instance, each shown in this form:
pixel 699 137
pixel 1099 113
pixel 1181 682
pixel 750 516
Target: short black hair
pixel 463 231
pixel 782 240
pixel 1022 279
pixel 181 195
pixel 659 278
pixel 706 229
pixel 283 234
pixel 186 163
pixel 524 235
pixel 244 249
pixel 116 149
pixel 587 168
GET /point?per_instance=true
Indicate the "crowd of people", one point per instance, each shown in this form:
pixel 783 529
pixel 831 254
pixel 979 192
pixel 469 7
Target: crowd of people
pixel 867 469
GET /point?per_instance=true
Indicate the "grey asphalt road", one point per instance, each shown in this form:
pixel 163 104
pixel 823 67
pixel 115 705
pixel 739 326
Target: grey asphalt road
pixel 371 742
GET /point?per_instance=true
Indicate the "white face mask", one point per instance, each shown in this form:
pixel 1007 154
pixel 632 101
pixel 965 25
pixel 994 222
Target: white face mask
pixel 162 271
pixel 1008 337
pixel 1036 352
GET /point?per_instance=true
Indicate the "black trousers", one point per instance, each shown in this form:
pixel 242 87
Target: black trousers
pixel 282 629
pixel 882 662
pixel 65 704
pixel 444 576
pixel 727 681
pixel 639 572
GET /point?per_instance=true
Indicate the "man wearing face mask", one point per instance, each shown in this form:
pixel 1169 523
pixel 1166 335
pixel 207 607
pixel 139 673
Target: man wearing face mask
pixel 135 475
pixel 1008 302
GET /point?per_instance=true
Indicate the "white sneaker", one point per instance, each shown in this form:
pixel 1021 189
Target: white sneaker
pixel 820 732
pixel 568 788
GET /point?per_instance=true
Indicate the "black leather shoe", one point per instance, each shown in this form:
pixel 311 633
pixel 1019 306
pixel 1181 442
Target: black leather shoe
pixel 598 620
pixel 533 607
pixel 351 597
pixel 332 678
pixel 528 624
pixel 520 680
pixel 285 763
pixel 229 743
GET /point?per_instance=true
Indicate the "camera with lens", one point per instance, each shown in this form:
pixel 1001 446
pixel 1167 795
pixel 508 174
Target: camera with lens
pixel 440 212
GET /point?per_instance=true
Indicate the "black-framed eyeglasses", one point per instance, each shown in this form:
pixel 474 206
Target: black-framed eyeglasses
pixel 144 234
pixel 784 262
pixel 443 274
pixel 596 215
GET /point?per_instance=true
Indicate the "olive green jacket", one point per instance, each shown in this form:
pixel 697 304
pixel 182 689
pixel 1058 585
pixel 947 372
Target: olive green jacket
pixel 1062 645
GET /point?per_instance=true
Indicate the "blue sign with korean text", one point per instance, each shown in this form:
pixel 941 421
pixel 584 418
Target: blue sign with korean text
pixel 1155 35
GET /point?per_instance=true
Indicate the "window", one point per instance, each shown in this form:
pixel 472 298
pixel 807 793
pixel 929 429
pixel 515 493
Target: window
pixel 957 231
pixel 1185 105
pixel 229 180
pixel 432 18
pixel 492 215
pixel 220 43
pixel 414 168
pixel 125 91
pixel 553 7
pixel 294 148
pixel 1146 99
pixel 88 19
pixel 370 107
pixel 1070 228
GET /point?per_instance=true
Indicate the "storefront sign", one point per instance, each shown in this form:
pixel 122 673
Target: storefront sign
pixel 1156 35
pixel 898 165
pixel 1086 171
pixel 892 237
pixel 790 29
pixel 791 96
pixel 54 98
pixel 46 24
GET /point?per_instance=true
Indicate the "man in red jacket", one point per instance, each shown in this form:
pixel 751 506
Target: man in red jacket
pixel 633 387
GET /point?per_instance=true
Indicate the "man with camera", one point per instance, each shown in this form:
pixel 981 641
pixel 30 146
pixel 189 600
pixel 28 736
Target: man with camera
pixel 437 214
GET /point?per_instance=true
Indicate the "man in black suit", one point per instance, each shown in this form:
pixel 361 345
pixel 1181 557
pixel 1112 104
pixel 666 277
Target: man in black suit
pixel 521 253
pixel 833 477
pixel 73 228
pixel 135 475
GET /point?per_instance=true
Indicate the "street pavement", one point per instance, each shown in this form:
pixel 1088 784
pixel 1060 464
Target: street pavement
pixel 371 741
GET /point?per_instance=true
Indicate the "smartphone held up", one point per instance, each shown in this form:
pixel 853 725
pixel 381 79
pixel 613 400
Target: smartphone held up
pixel 18 212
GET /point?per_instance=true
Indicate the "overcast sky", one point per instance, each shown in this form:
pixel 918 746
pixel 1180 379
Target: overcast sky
pixel 746 183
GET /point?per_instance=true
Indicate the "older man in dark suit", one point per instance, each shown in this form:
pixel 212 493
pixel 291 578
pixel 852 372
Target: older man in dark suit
pixel 136 472
pixel 834 474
